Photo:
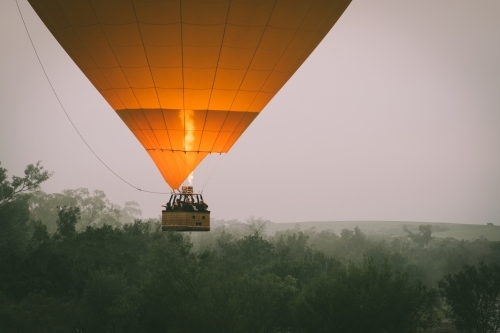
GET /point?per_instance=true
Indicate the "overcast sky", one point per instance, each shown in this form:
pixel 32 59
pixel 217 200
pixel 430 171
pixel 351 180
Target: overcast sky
pixel 395 116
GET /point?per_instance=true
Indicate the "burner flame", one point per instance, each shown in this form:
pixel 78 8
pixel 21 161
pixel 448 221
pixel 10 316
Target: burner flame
pixel 190 178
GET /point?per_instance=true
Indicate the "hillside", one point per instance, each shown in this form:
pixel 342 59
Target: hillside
pixel 395 228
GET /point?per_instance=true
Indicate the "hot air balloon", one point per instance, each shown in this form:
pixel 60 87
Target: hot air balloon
pixel 188 76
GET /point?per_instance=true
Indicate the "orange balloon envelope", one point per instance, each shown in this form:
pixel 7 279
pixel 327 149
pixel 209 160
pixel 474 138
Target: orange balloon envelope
pixel 188 77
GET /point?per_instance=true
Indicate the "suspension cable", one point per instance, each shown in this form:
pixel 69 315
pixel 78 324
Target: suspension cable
pixel 213 171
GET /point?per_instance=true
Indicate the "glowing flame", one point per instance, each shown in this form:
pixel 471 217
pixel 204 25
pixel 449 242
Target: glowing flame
pixel 187 117
pixel 189 129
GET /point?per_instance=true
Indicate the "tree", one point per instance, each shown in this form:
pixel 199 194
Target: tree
pixel 14 214
pixel 473 297
pixel 364 298
pixel 423 237
pixel 34 175
pixel 109 304
pixel 130 212
pixel 37 313
pixel 257 225
pixel 68 218
pixel 95 208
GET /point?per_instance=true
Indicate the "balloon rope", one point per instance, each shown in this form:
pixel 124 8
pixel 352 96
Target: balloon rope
pixel 213 171
pixel 206 171
pixel 67 115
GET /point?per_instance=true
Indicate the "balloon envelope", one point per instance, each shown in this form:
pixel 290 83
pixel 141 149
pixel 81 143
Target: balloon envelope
pixel 188 77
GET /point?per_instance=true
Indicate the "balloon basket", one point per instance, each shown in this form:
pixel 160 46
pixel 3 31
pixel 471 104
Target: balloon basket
pixel 185 221
pixel 185 211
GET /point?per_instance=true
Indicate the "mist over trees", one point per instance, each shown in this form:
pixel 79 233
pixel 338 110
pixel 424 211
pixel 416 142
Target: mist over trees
pixel 75 262
pixel 95 209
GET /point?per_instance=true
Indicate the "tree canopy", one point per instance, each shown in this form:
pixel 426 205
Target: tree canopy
pixel 34 175
pixel 473 297
pixel 59 274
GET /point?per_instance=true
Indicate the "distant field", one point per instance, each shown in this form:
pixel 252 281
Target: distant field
pixel 395 228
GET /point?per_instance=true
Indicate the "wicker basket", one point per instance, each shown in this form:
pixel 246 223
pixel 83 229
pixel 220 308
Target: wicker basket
pixel 185 221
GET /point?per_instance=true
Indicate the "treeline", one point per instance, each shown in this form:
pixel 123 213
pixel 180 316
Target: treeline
pixel 138 279
pixel 95 208
pixel 421 256
pixel 135 278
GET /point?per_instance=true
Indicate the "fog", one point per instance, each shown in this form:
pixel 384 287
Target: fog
pixel 395 116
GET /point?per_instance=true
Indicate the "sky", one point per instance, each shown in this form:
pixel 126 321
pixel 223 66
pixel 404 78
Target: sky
pixel 395 116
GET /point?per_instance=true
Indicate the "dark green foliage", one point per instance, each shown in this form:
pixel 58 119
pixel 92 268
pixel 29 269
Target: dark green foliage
pixel 67 219
pixel 36 313
pixel 136 278
pixel 109 304
pixel 14 225
pixel 365 298
pixel 473 297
